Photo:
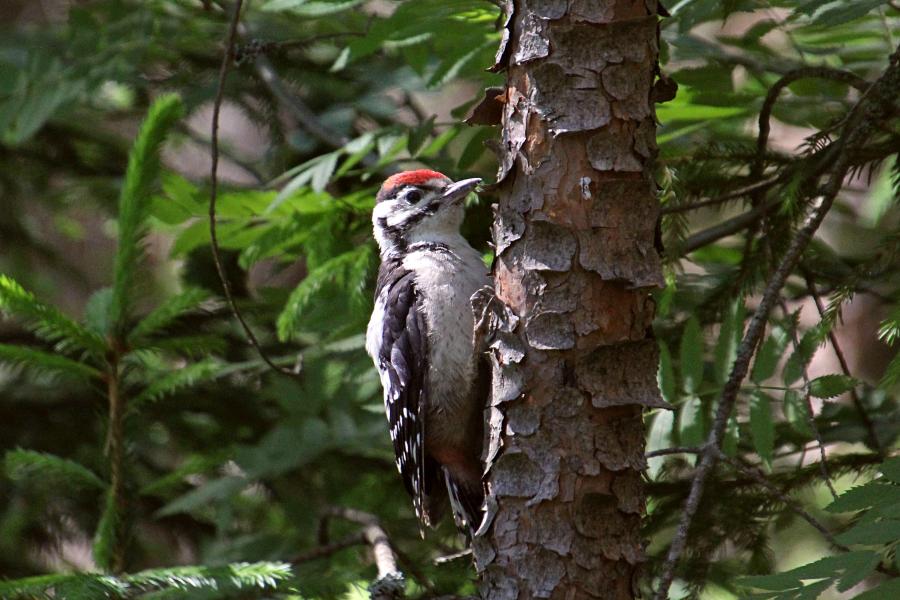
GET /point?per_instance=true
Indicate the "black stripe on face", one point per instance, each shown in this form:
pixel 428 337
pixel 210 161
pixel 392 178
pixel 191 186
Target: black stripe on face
pixel 411 219
pixel 431 247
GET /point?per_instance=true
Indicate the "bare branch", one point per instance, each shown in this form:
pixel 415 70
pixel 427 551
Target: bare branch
pixel 790 77
pixel 227 58
pixel 304 115
pixel 724 229
pixel 733 195
pixel 442 560
pixel 673 450
pixel 389 584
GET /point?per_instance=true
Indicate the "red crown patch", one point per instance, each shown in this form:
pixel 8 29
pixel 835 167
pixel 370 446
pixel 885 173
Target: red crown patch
pixel 417 177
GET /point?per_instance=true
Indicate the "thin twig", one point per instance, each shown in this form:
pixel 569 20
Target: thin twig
pixel 845 367
pixel 810 418
pixel 723 229
pixel 227 58
pixel 733 195
pixel 790 77
pixel 760 478
pixel 255 48
pixel 448 558
pixel 864 117
pixel 298 109
pixel 197 138
pixel 674 450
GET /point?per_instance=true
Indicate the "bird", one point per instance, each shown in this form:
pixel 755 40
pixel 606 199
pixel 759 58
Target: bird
pixel 421 337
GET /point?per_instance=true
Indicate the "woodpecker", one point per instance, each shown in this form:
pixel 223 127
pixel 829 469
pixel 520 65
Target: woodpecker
pixel 422 339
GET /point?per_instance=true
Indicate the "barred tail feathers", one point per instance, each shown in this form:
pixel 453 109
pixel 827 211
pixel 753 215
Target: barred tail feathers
pixel 466 499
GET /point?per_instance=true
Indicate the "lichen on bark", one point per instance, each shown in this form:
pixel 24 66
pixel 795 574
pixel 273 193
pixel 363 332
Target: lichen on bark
pixel 573 362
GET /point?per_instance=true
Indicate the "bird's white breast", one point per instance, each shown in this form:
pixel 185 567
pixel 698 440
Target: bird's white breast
pixel 447 278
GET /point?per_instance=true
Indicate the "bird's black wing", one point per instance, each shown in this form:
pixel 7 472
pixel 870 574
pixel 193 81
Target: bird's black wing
pixel 403 365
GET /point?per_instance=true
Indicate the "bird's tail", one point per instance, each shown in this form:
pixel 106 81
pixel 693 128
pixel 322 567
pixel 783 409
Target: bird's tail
pixel 466 494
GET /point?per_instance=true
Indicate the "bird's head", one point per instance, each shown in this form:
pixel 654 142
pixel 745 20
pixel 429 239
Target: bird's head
pixel 418 206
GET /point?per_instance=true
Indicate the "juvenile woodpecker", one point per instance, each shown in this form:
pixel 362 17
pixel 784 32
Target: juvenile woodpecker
pixel 421 337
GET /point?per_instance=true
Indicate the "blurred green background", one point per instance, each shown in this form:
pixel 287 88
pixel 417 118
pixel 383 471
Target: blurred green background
pixel 227 462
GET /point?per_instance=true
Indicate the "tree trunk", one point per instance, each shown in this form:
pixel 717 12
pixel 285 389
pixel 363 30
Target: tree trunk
pixel 574 362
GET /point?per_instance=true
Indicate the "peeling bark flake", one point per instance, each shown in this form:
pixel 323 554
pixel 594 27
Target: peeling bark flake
pixel 522 419
pixel 517 476
pixel 580 109
pixel 533 42
pixel 617 257
pixel 489 110
pixel 611 150
pixel 550 331
pixel 547 9
pixel 591 11
pixel 516 113
pixel 502 56
pixel 624 374
pixel 548 247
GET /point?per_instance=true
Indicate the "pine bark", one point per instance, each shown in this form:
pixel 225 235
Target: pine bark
pixel 574 364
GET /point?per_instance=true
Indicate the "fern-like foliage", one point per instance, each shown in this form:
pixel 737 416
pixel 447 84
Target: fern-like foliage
pixel 175 380
pixel 49 470
pixel 349 270
pixel 47 322
pixel 191 582
pixel 72 586
pixel 227 578
pixel 165 314
pixel 46 363
pixel 143 169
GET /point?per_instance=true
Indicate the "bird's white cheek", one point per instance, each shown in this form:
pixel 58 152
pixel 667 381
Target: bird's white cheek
pixel 398 218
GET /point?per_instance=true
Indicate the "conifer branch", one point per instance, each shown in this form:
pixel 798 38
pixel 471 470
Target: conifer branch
pixel 726 197
pixel 795 506
pixel 44 362
pixel 862 118
pixel 142 172
pixel 46 321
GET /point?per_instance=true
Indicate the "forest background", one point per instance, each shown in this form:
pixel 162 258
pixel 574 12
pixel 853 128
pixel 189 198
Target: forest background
pixel 145 439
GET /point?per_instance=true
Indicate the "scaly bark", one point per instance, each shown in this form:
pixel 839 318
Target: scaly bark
pixel 574 362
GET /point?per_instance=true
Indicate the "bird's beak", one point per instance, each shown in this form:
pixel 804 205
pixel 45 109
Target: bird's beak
pixel 455 192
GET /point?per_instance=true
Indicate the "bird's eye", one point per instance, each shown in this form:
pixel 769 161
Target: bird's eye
pixel 413 196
